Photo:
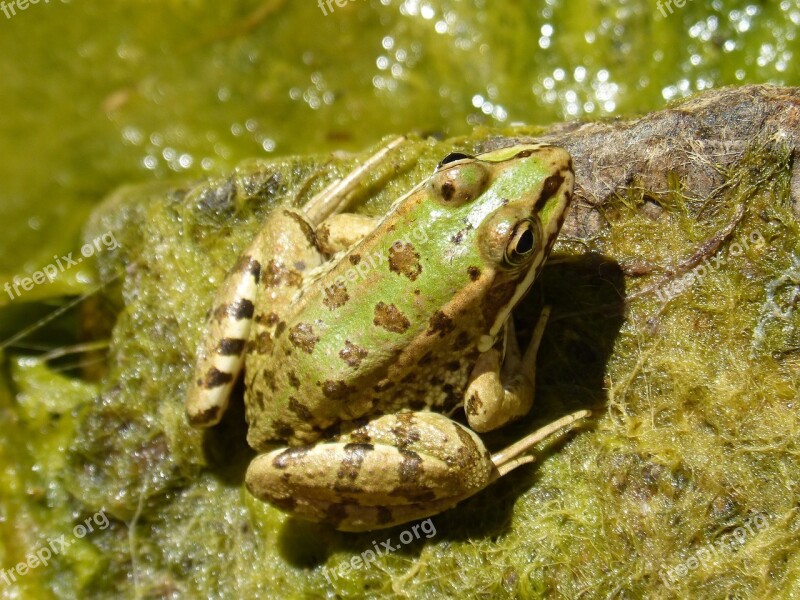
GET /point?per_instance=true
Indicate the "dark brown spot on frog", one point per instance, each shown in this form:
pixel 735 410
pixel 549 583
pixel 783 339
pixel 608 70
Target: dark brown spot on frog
pixel 462 341
pixel 440 323
pixel 355 259
pixel 473 404
pixel 466 440
pixel 499 295
pixel 410 377
pixel 354 455
pixel 277 274
pixel 294 381
pixel 453 365
pixel 305 227
pixel 474 273
pixel 335 513
pixel 290 457
pixel 230 346
pixel 360 436
pixel 447 190
pixel 389 317
pixel 208 415
pixel 336 390
pixel 323 237
pixel 426 358
pixel 262 344
pixel 352 354
pixel 216 378
pixel 383 515
pixel 247 264
pixel 260 400
pixel 336 296
pixel 404 260
pixel 283 429
pixel 410 466
pixel 302 336
pixel 280 328
pixel 551 186
pixel 299 409
pixel 269 379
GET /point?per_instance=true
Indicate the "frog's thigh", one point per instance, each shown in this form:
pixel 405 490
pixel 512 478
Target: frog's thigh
pixel 259 287
pixel 339 232
pixel 394 469
pixel 496 395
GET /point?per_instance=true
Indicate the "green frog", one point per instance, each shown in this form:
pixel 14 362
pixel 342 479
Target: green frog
pixel 358 336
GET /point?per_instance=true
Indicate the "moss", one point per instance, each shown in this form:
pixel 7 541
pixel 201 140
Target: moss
pixel 692 455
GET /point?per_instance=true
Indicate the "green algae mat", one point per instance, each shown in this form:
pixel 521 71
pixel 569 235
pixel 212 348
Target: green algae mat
pixel 142 145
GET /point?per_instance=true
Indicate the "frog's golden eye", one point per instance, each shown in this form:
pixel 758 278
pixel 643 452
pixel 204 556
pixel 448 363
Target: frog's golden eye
pixel 522 243
pixel 460 183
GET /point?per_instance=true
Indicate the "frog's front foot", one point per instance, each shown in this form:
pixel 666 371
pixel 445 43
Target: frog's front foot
pixel 391 470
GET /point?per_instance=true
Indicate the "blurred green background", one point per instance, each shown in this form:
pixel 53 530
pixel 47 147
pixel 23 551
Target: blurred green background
pixel 95 94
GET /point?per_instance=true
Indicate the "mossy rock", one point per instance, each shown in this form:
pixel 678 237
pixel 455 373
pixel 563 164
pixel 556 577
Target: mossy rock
pixel 685 343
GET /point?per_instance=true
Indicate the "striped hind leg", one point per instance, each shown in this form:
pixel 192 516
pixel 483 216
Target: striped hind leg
pixel 260 288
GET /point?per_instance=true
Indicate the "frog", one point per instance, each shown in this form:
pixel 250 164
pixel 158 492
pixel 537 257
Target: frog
pixel 359 338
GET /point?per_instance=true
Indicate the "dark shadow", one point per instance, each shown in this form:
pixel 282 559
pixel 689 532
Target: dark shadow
pixel 586 296
pixel 225 445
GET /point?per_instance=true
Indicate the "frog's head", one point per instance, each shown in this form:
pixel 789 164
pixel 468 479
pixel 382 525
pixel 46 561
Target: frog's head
pixel 516 200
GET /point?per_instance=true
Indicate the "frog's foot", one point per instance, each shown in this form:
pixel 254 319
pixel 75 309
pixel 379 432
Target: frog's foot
pixel 335 197
pixel 394 469
pixel 339 232
pixel 497 394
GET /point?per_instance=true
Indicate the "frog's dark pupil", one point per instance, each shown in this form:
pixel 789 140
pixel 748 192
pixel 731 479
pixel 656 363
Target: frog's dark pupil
pixel 525 242
pixel 453 157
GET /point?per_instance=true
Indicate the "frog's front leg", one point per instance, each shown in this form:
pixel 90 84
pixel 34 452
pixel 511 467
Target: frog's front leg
pixel 501 390
pixel 391 470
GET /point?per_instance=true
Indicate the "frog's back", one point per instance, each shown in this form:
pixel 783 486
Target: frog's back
pixel 373 335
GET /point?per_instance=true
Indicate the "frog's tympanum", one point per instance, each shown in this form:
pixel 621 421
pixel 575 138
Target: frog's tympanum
pixel 358 335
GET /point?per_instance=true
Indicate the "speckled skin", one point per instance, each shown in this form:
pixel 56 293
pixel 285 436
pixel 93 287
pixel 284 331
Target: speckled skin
pixel 413 317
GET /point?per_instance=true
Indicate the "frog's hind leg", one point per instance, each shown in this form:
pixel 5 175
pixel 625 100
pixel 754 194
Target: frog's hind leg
pixel 220 355
pixel 390 470
pixel 267 277
pixel 247 308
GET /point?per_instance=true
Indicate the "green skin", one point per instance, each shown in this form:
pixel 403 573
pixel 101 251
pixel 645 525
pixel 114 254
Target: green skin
pixel 345 358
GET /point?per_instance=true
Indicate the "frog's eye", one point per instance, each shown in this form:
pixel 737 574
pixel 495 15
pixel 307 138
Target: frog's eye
pixel 460 183
pixel 522 243
pixel 453 157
